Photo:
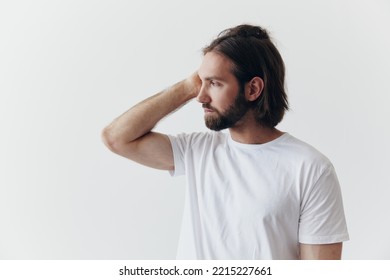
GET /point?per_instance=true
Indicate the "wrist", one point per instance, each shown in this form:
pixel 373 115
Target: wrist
pixel 185 88
pixel 192 85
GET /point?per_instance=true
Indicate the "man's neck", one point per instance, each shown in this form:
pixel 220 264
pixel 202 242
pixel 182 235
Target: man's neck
pixel 248 131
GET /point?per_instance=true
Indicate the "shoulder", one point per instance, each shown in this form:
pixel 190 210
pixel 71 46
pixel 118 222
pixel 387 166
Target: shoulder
pixel 304 153
pixel 198 139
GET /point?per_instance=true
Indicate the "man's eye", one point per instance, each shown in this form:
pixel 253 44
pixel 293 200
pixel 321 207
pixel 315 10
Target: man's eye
pixel 214 83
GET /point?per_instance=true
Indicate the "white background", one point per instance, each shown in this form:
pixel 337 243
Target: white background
pixel 67 68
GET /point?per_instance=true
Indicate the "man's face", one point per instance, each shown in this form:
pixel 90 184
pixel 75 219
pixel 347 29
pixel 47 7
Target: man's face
pixel 223 101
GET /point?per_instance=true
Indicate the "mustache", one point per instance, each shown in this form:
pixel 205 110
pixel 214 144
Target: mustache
pixel 208 106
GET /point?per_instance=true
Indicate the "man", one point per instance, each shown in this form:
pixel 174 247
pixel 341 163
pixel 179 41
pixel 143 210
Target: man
pixel 254 192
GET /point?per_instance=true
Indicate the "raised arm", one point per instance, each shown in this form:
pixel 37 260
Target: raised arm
pixel 130 134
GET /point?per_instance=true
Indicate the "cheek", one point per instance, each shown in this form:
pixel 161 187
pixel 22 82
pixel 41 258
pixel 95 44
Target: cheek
pixel 223 96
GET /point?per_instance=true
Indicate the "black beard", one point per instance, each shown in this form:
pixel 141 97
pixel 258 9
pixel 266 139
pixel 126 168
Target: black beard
pixel 230 117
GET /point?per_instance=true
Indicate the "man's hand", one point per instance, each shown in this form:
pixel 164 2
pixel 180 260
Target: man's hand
pixel 193 84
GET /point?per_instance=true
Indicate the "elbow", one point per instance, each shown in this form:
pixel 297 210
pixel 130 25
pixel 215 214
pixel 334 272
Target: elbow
pixel 110 140
pixel 117 143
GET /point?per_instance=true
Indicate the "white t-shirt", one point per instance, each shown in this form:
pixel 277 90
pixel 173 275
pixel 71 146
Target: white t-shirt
pixel 246 201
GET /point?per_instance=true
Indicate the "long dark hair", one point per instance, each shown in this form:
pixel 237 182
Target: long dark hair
pixel 254 55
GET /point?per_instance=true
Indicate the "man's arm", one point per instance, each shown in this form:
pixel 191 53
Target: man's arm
pixel 321 251
pixel 130 134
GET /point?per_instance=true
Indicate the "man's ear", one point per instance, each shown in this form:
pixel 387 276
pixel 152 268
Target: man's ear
pixel 254 88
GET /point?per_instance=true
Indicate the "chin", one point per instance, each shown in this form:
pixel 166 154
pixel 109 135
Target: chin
pixel 216 127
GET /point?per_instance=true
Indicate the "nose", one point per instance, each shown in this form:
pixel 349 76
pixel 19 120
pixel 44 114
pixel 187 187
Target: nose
pixel 203 96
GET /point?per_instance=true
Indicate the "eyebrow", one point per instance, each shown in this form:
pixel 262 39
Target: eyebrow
pixel 214 78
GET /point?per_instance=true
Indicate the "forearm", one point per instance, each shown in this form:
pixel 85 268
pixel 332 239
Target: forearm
pixel 140 119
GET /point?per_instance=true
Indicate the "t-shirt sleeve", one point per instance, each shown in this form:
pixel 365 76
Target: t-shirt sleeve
pixel 178 144
pixel 322 219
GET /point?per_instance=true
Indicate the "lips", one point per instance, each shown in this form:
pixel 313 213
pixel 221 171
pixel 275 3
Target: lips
pixel 207 108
